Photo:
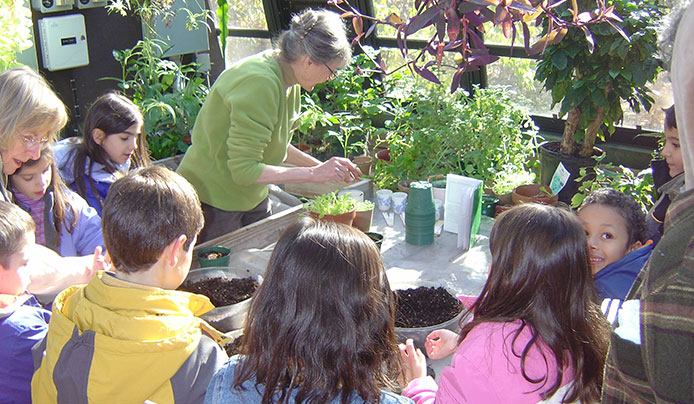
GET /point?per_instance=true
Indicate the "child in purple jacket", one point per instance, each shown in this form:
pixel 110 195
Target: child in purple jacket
pixel 536 333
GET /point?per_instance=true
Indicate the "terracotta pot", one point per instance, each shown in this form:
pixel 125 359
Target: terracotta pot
pixel 404 186
pixel 364 164
pixel 344 218
pixel 304 148
pixel 534 193
pixel 383 155
pixel 362 219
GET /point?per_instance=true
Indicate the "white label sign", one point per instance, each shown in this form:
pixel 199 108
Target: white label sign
pixel 559 179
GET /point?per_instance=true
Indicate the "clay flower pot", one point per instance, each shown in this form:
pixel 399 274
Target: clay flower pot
pixel 363 216
pixel 364 164
pixel 344 218
pixel 534 193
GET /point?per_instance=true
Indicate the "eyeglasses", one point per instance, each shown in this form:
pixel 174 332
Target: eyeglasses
pixel 30 141
pixel 332 72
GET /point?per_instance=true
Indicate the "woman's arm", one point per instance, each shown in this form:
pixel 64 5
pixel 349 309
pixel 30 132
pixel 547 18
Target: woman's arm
pixel 309 170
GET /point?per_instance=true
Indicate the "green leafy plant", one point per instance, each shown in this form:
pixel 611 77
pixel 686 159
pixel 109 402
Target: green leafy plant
pixel 440 133
pixel 507 179
pixel 330 204
pixel 15 22
pixel 362 206
pixel 590 78
pixel 637 184
pixel 169 95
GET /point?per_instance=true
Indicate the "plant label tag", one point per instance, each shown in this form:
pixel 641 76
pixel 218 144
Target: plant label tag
pixel 559 179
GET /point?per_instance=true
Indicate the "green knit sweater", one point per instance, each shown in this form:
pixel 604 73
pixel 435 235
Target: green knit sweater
pixel 244 124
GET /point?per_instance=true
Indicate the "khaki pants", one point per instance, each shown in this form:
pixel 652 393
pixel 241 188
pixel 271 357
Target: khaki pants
pixel 219 222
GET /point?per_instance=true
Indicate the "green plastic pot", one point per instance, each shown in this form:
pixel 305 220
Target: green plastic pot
pixel 214 262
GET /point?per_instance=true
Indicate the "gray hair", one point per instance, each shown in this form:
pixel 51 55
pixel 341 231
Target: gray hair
pixel 318 34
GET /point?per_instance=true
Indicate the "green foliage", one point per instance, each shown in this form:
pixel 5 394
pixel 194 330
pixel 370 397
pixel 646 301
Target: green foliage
pixel 362 206
pixel 617 69
pixel 331 204
pixel 476 136
pixel 639 185
pixel 511 177
pixel 341 115
pixel 15 23
pixel 169 95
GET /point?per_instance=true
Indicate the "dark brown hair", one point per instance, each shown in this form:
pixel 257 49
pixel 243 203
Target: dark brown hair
pixel 61 200
pixel 540 274
pixel 144 212
pixel 322 321
pixel 112 113
pixel 625 206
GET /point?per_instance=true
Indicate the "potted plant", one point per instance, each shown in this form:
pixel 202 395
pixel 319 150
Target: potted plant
pixel 534 193
pixel 215 256
pixel 363 215
pixel 590 74
pixel 332 207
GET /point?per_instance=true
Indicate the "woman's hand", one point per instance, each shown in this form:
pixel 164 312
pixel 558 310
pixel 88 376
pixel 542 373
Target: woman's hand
pixel 414 364
pixel 441 344
pixel 336 169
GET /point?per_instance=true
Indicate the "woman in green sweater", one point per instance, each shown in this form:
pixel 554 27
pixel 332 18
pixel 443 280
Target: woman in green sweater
pixel 243 131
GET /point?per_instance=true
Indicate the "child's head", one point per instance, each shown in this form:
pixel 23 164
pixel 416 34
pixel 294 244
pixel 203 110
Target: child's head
pixel 540 275
pixel 615 225
pixel 671 150
pixel 34 177
pixel 325 307
pixel 31 114
pixel 147 211
pixel 113 131
pixel 16 239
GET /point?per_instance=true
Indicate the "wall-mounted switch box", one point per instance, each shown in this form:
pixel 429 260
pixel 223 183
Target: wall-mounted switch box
pixel 90 3
pixel 63 42
pixel 51 6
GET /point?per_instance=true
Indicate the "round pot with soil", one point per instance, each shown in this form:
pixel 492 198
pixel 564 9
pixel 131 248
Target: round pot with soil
pixel 229 290
pixel 215 256
pixel 421 310
pixel 534 193
pixel 376 238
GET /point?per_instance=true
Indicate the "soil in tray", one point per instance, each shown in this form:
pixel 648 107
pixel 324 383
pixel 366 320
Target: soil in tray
pixel 424 307
pixel 222 291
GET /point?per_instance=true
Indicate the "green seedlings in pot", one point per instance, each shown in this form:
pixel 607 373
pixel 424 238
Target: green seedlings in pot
pixel 363 206
pixel 331 204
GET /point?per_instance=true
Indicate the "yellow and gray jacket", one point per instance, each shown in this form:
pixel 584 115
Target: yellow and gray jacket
pixel 113 341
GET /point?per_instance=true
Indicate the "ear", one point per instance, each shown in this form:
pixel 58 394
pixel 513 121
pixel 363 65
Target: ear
pixel 635 246
pixel 98 135
pixel 173 251
pixel 307 62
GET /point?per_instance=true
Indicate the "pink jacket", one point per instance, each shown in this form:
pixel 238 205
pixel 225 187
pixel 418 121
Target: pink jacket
pixel 484 369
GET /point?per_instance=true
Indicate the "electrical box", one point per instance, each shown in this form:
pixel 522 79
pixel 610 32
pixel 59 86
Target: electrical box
pixel 51 6
pixel 90 3
pixel 63 42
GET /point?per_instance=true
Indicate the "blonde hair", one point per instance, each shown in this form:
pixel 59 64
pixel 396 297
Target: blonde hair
pixel 27 102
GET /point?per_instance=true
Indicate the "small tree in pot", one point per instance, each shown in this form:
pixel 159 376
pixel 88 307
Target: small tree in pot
pixel 591 71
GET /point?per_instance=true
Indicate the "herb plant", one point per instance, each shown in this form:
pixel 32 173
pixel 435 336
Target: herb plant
pixel 330 204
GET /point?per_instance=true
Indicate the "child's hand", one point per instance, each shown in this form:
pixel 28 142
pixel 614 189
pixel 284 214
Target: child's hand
pixel 414 364
pixel 99 263
pixel 441 344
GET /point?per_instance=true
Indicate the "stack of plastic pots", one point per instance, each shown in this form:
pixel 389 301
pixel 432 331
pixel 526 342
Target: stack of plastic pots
pixel 420 214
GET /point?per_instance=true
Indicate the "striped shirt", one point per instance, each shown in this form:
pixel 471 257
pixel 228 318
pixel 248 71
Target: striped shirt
pixel 36 210
pixel 660 367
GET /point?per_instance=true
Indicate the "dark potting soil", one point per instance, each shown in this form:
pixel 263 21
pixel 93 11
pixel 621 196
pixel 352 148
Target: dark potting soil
pixel 232 348
pixel 424 307
pixel 222 291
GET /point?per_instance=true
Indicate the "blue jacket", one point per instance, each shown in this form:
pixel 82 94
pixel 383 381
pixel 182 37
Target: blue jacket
pixel 219 391
pixel 22 324
pixel 85 236
pixel 614 281
pixel 64 151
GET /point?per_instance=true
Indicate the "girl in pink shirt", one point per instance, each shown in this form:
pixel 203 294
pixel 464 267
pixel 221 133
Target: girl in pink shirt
pixel 537 335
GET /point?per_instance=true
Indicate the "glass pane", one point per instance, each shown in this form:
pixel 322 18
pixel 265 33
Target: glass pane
pixel 404 9
pixel 394 60
pixel 247 14
pixel 495 35
pixel 238 48
pixel 518 76
pixel 655 118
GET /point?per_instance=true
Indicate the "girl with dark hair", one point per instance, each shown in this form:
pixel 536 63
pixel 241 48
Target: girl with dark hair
pixel 113 142
pixel 321 326
pixel 537 334
pixel 64 221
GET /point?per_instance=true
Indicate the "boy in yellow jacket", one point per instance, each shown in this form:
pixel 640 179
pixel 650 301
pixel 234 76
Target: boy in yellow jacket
pixel 128 335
